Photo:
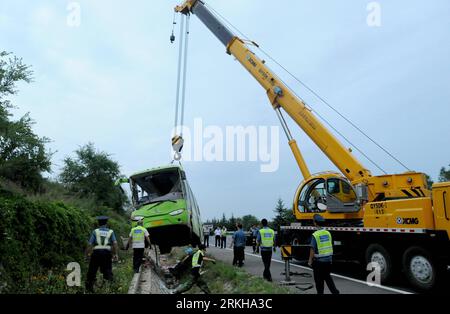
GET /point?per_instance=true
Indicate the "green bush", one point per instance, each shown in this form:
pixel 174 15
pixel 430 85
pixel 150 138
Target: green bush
pixel 41 234
pixel 38 236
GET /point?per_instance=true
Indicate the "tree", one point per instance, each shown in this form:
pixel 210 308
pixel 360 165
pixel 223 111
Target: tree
pixel 444 175
pixel 280 212
pixel 12 71
pixel 93 174
pixel 283 215
pixel 223 221
pixel 429 181
pixel 23 156
pixel 231 224
pixel 248 221
pixel 214 222
pixel 289 216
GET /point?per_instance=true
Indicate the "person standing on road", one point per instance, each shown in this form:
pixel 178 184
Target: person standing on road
pixel 137 238
pixel 254 235
pixel 223 238
pixel 197 263
pixel 206 231
pixel 321 256
pixel 217 234
pixel 238 244
pixel 266 242
pixel 101 244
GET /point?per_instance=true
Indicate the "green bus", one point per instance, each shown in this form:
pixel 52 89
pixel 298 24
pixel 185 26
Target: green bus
pixel 164 200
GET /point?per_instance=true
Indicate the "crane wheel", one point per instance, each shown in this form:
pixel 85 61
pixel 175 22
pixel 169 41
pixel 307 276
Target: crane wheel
pixel 376 253
pixel 420 268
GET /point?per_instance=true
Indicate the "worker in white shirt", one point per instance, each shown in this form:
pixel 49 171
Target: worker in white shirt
pixel 217 234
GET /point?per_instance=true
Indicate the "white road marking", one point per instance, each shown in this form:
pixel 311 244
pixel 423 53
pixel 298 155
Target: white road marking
pixel 336 275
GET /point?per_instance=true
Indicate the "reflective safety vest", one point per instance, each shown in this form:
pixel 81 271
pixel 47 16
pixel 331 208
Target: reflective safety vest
pixel 324 243
pixel 138 234
pixel 267 237
pixel 195 259
pixel 106 234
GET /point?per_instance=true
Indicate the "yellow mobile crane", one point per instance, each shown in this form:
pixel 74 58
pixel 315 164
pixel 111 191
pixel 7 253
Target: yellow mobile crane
pixel 394 220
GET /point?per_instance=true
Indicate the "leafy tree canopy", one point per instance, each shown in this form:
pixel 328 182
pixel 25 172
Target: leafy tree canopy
pixel 93 174
pixel 444 175
pixel 23 155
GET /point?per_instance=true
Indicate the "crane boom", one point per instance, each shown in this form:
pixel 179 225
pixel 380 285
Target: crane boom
pixel 281 96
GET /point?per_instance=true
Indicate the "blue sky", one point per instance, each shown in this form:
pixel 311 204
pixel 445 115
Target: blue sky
pixel 112 81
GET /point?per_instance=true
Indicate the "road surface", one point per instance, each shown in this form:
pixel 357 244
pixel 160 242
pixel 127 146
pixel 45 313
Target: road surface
pixel 253 264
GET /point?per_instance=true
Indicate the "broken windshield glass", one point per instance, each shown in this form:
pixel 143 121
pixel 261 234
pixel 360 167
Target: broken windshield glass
pixel 157 187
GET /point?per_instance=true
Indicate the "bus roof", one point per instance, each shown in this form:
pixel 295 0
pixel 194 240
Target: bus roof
pixel 156 169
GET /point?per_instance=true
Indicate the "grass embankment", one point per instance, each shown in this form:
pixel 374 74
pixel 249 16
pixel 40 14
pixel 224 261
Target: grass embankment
pixel 123 274
pixel 54 281
pixel 40 235
pixel 223 278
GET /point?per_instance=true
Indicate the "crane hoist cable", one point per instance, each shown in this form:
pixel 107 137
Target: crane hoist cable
pixel 172 36
pixel 177 139
pixel 183 93
pixel 221 17
pixel 180 59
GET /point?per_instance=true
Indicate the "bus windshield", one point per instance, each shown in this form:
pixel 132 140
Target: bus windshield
pixel 157 187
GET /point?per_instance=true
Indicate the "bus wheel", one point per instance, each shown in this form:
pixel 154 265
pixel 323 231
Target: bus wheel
pixel 420 269
pixel 376 253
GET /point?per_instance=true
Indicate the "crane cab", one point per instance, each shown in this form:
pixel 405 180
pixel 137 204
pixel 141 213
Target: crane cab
pixel 329 194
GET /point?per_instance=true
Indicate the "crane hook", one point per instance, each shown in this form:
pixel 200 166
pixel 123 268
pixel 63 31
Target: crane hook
pixel 172 38
pixel 177 157
pixel 177 145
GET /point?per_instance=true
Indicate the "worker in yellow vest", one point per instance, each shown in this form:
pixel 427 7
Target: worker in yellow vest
pixel 137 239
pixel 266 243
pixel 321 256
pixel 197 263
pixel 223 238
pixel 102 244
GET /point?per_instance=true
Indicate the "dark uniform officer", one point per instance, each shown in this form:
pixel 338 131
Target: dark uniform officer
pixel 197 262
pixel 101 244
pixel 254 230
pixel 321 257
pixel 206 234
pixel 238 244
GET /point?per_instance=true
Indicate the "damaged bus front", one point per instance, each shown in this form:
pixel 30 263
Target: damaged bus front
pixel 164 200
